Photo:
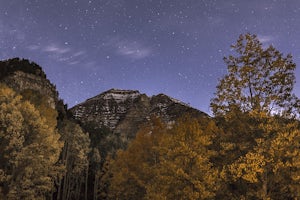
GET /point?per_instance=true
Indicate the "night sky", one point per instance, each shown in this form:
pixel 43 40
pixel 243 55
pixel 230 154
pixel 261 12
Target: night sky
pixel 154 46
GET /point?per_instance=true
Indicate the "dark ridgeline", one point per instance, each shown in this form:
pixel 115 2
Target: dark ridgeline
pixel 8 67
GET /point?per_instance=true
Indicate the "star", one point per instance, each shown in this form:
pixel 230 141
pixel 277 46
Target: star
pixel 177 47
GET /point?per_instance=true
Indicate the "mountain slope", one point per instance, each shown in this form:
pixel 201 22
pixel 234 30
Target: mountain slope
pixel 20 74
pixel 123 111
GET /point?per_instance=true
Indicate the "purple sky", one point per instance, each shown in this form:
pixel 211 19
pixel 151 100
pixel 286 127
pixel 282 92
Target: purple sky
pixel 154 46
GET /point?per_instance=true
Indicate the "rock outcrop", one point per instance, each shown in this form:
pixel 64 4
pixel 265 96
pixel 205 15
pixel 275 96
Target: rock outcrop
pixel 24 75
pixel 124 111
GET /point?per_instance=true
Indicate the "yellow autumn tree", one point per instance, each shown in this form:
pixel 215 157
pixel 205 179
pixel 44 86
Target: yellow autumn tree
pixel 133 169
pixel 29 149
pixel 167 163
pixel 259 79
pixel 185 170
pixel 271 170
pixel 253 104
pixel 75 159
pixel 41 103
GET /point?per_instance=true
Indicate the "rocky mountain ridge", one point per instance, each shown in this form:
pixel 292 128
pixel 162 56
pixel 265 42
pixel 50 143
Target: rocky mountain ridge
pixel 20 74
pixel 123 111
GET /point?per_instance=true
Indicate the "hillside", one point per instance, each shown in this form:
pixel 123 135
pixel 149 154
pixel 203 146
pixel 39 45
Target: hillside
pixel 124 111
pixel 21 75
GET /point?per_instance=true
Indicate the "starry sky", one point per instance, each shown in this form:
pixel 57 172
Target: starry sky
pixel 174 47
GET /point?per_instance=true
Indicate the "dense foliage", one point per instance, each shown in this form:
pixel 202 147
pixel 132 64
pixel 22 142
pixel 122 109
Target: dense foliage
pixel 12 65
pixel 167 163
pixel 29 149
pixel 256 109
pixel 258 79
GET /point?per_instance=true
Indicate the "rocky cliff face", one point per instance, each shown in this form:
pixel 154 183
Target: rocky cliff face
pixel 23 75
pixel 123 111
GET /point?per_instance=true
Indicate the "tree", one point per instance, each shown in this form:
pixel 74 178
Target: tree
pixel 258 79
pixel 42 105
pixel 75 159
pixel 103 143
pixel 185 170
pixel 165 162
pixel 95 162
pixel 104 178
pixel 271 170
pixel 29 149
pixel 252 102
pixel 133 168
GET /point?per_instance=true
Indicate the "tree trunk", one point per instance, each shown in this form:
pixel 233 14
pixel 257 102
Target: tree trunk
pixel 86 180
pixel 65 188
pixel 265 187
pixel 95 196
pixel 59 189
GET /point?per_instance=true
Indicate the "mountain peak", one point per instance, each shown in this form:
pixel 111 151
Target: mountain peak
pixel 113 106
pixel 118 95
pixel 121 91
pixel 169 99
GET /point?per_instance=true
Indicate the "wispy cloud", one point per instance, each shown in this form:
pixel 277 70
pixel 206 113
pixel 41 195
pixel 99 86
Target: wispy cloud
pixel 74 62
pixel 131 49
pixel 134 51
pixel 79 53
pixel 265 38
pixel 60 53
pixel 33 47
pixel 54 48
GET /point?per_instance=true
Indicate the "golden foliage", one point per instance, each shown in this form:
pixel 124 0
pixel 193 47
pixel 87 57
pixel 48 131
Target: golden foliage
pixel 166 163
pixel 29 149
